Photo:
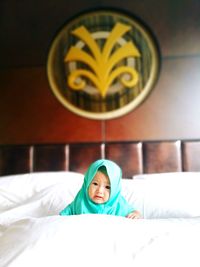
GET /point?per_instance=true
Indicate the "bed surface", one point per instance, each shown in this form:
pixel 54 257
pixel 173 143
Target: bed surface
pixel 33 234
pixel 134 157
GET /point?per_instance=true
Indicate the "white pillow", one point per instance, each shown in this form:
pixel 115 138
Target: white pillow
pixel 134 192
pixel 169 195
pixel 16 190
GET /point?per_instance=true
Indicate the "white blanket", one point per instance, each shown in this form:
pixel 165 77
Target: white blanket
pixel 33 234
pixel 100 240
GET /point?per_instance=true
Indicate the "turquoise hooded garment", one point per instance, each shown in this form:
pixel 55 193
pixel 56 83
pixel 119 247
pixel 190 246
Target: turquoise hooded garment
pixel 116 204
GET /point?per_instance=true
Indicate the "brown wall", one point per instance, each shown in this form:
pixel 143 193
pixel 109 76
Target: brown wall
pixel 29 112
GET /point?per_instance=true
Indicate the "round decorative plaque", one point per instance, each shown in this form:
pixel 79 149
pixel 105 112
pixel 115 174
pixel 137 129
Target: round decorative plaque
pixel 102 64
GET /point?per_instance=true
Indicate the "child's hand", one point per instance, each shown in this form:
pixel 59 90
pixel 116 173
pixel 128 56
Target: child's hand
pixel 134 215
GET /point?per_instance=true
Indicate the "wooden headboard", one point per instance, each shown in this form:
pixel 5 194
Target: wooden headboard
pixel 134 157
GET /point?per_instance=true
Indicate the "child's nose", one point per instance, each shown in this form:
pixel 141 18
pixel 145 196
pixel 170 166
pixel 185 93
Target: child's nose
pixel 100 189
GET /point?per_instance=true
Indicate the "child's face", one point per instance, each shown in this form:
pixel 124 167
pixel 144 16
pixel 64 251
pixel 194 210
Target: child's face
pixel 99 189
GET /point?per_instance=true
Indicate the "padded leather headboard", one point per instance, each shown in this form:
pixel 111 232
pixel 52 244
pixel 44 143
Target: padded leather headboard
pixel 135 157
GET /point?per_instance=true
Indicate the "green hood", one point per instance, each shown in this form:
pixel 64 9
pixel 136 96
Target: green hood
pixel 116 205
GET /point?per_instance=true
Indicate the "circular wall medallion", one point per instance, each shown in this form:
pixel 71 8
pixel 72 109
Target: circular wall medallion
pixel 102 64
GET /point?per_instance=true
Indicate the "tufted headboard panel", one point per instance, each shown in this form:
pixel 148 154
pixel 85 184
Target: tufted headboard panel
pixel 134 157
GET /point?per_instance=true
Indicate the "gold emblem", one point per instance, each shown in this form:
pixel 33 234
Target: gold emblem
pixel 103 64
pixel 102 72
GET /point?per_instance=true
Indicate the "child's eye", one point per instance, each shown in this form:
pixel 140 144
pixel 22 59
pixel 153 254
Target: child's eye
pixel 95 183
pixel 108 187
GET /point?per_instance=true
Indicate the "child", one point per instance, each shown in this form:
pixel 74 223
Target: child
pixel 101 192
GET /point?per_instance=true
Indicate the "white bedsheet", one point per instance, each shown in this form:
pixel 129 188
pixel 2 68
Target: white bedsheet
pixel 100 240
pixel 33 234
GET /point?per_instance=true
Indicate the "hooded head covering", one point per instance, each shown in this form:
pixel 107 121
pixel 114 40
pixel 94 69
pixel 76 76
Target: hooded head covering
pixel 116 204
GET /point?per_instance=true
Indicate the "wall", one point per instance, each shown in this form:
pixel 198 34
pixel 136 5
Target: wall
pixel 29 112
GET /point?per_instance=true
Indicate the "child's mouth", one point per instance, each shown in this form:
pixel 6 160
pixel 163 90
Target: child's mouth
pixel 98 197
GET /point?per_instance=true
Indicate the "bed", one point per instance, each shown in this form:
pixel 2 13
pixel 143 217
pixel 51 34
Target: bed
pixel 160 178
